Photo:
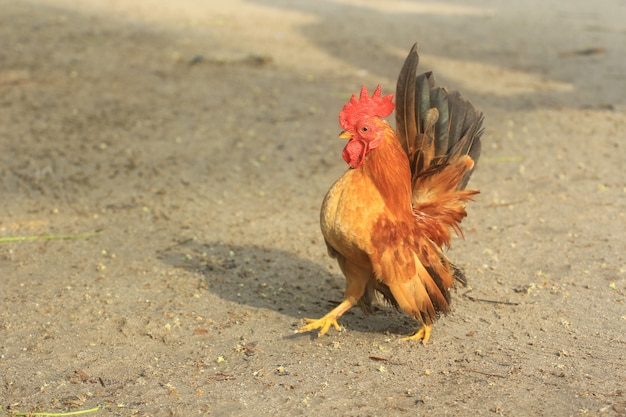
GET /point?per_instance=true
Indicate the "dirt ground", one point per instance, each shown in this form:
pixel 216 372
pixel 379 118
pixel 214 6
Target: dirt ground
pixel 184 148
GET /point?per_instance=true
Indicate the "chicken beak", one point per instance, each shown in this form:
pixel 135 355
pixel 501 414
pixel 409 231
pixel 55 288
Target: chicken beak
pixel 345 135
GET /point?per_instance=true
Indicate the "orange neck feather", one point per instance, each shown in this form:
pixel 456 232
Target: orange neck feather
pixel 388 167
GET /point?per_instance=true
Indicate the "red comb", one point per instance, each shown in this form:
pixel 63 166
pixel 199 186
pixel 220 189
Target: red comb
pixel 376 106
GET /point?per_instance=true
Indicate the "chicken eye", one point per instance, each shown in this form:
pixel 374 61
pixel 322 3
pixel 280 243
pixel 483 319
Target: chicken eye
pixel 364 129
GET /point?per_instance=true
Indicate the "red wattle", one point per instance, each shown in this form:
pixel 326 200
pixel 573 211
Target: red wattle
pixel 354 153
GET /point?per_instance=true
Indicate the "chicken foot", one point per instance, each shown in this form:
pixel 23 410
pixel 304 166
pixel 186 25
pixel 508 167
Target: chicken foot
pixel 328 320
pixel 422 334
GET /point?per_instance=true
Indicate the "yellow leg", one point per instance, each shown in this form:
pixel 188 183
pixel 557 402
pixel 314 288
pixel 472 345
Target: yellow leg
pixel 328 320
pixel 422 334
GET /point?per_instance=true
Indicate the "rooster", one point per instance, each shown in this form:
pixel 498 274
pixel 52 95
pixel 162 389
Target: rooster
pixel 389 217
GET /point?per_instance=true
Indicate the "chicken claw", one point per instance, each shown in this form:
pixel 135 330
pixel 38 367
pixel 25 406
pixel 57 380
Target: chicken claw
pixel 328 320
pixel 324 323
pixel 422 334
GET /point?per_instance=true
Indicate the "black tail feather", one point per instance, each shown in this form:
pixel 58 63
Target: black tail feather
pixel 457 127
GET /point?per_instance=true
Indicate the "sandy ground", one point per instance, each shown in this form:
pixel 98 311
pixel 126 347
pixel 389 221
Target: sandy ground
pixel 198 139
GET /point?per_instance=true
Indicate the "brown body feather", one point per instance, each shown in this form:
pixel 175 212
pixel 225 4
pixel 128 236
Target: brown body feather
pixel 387 220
